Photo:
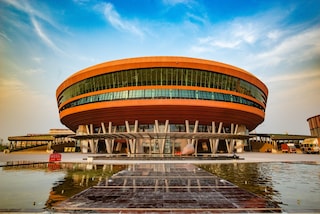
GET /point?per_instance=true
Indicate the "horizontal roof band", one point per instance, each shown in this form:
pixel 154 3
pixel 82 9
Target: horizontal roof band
pixel 171 135
pixel 160 61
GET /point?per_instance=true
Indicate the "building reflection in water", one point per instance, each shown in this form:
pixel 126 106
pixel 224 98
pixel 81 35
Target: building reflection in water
pixel 253 177
pixel 78 178
pixel 165 186
pixel 286 184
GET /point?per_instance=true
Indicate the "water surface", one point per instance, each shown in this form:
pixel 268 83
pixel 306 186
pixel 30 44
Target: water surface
pixel 293 186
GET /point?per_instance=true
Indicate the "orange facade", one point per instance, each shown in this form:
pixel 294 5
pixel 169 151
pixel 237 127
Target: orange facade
pixel 176 110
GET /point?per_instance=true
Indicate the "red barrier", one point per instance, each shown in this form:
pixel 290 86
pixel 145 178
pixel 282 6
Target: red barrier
pixel 55 157
pixel 53 166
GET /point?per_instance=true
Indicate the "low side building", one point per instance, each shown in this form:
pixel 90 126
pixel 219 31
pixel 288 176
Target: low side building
pixel 55 137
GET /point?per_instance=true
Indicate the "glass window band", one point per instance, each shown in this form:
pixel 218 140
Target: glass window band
pixel 161 94
pixel 162 76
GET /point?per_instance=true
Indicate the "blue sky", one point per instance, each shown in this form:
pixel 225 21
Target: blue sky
pixel 44 42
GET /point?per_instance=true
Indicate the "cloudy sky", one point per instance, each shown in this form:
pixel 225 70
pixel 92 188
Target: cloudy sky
pixel 44 42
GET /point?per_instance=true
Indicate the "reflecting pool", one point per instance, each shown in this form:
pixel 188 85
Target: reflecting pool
pixel 293 186
pixel 41 186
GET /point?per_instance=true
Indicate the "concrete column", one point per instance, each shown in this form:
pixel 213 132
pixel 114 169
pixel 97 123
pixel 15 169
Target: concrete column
pixel 92 143
pixel 196 147
pixel 157 129
pixel 163 141
pixel 132 142
pixel 83 143
pixel 233 131
pixel 106 140
pixel 187 130
pixel 214 143
pixel 242 129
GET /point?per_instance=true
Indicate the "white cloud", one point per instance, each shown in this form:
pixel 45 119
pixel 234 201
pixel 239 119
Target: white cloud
pixel 44 36
pixel 245 33
pixel 81 2
pixel 297 47
pixel 11 88
pixel 25 6
pixel 259 45
pixel 4 36
pixel 33 71
pixel 37 59
pixel 175 2
pixel 232 37
pixel 303 75
pixel 118 22
pixel 211 41
pixel 196 19
pixel 8 86
pixel 274 34
pixel 36 15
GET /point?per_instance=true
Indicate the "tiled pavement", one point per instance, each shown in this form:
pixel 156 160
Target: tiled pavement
pixel 163 188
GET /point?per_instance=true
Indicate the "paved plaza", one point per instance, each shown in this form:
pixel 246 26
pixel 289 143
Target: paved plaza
pixel 83 158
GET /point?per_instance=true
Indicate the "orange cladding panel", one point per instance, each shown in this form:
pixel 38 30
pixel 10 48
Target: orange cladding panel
pixel 176 111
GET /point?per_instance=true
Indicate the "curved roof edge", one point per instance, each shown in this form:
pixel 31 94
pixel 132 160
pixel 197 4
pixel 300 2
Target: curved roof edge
pixel 141 59
pixel 158 61
pixel 313 117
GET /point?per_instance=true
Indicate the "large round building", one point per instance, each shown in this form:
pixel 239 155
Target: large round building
pixel 161 105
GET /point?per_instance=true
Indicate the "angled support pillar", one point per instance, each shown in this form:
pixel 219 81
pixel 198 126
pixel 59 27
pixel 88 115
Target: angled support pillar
pixel 214 143
pixel 227 141
pixel 187 130
pixel 211 140
pixel 150 146
pixel 92 143
pixel 172 142
pixel 118 147
pixel 195 130
pixel 138 145
pixel 156 126
pixel 156 130
pixel 239 144
pixel 234 131
pixel 112 140
pixel 219 132
pixel 196 147
pixel 230 142
pixel 132 142
pixel 82 130
pixel 163 141
pixel 108 142
pixel 128 147
pixel 165 130
pixel 135 126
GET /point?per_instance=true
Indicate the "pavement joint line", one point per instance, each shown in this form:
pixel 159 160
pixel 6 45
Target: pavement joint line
pixel 169 209
pixel 169 187
pixel 157 177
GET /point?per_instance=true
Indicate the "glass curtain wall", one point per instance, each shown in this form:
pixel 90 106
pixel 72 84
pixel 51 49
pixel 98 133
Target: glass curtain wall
pixel 162 76
pixel 161 94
